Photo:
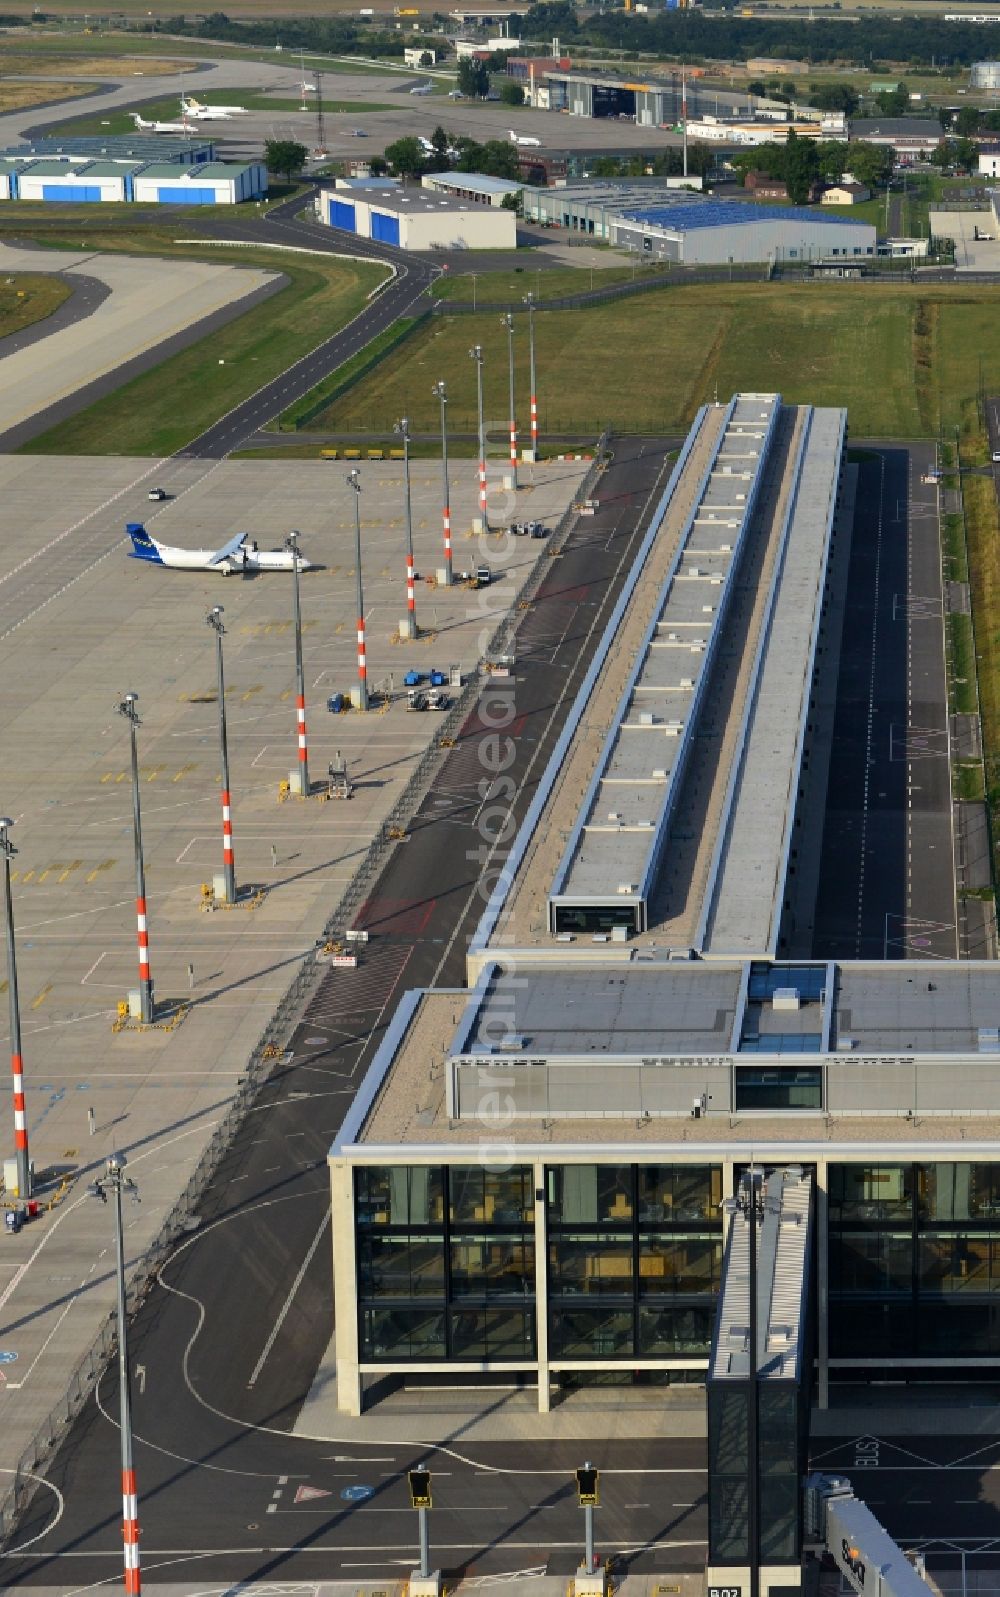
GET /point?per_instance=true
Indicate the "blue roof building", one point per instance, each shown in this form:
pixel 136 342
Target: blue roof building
pixel 713 232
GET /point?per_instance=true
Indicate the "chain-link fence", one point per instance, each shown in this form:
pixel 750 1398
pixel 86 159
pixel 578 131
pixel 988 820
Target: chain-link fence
pixel 273 1042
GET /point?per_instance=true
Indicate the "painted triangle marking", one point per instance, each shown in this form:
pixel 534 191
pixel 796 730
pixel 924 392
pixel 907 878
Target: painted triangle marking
pixel 306 1494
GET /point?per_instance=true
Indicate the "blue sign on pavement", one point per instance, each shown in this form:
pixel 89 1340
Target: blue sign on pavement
pixel 7 1357
pixel 357 1494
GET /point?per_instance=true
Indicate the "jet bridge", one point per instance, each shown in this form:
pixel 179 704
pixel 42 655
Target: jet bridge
pixel 871 1562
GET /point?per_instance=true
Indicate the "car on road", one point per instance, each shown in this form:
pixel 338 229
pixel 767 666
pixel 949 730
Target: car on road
pixel 358 133
pixel 157 494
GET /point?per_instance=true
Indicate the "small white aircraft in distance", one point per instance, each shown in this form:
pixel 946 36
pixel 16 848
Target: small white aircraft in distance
pixel 159 127
pixel 240 554
pixel 524 139
pixel 211 113
pixel 422 88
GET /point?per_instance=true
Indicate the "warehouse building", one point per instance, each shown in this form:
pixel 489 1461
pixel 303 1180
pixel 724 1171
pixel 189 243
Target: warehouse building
pixel 117 147
pixel 717 232
pixel 477 188
pixel 591 207
pixel 413 219
pixel 652 102
pixel 911 137
pixel 81 179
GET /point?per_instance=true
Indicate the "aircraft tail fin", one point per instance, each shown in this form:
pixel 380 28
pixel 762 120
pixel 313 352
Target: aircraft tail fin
pixel 143 546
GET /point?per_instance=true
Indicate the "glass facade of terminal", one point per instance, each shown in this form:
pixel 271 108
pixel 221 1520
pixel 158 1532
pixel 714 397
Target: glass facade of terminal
pixel 446 1261
pixel 914 1260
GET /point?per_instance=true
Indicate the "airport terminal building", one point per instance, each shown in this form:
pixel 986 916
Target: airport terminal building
pixel 531 1178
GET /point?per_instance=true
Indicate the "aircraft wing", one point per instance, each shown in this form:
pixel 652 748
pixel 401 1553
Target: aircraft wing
pixel 228 550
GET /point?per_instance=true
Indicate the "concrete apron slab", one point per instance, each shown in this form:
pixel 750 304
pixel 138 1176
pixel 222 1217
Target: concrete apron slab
pixel 82 624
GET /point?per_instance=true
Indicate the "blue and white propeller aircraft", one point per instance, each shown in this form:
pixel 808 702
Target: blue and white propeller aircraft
pixel 241 554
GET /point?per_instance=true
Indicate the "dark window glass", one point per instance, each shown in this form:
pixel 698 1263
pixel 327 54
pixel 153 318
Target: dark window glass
pixel 670 1332
pixel 597 1264
pixel 403 1334
pixel 400 1195
pixel 590 1194
pixel 944 1329
pixel 600 919
pixel 492 1334
pixel 492 1266
pixel 883 1328
pixel 871 1262
pixel 400 1266
pixel 959 1191
pixel 870 1192
pixel 779 1087
pixel 591 1333
pixel 672 1263
pixel 491 1197
pixel 678 1193
pixel 958 1264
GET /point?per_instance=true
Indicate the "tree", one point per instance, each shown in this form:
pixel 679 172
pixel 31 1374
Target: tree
pixel 871 164
pixel 377 166
pixel 801 167
pixel 473 78
pixel 285 156
pixel 893 102
pixel 966 154
pixel 833 97
pixel 426 59
pixel 406 157
pixel 495 158
pixel 758 87
pixel 511 93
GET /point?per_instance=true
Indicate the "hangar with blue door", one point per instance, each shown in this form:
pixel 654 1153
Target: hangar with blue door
pixel 417 219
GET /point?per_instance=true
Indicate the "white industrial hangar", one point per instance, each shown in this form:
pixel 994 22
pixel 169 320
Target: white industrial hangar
pixel 152 171
pixel 413 219
pixel 478 188
pixel 714 232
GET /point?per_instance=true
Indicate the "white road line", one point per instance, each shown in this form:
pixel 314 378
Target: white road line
pixel 279 1322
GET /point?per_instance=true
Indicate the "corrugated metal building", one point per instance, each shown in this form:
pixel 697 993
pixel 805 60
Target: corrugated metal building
pixel 412 219
pixel 592 207
pixel 118 147
pixel 78 181
pixel 476 187
pixel 215 183
pixel 714 232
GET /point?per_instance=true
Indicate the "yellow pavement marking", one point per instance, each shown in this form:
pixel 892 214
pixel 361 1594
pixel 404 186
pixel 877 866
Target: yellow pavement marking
pixel 35 1002
pixel 185 770
pixel 105 865
pixel 27 877
pixel 74 865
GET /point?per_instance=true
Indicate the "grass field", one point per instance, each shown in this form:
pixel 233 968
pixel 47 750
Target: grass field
pixel 16 96
pixel 169 110
pixel 101 52
pixel 161 411
pixel 26 298
pixel 983 530
pixel 509 288
pixel 903 359
pixel 88 57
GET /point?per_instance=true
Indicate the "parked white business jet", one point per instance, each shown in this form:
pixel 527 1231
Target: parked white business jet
pixel 240 554
pixel 524 140
pixel 422 88
pixel 159 127
pixel 211 113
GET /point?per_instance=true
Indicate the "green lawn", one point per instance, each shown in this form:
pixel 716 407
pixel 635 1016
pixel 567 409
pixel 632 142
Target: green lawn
pixel 29 297
pixel 165 408
pixel 509 288
pixel 169 110
pixel 903 358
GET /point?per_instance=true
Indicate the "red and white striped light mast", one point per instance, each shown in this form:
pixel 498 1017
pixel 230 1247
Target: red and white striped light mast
pixel 127 708
pixel 214 619
pixel 529 300
pixel 476 354
pixel 402 427
pixel 508 322
pixel 119 1183
pixel 440 391
pixel 16 1063
pixel 292 545
pixel 354 481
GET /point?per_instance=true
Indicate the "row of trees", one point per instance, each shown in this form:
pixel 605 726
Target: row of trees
pixel 802 162
pixel 408 158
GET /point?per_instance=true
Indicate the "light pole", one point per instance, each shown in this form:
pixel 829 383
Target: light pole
pixel 529 300
pixel 292 545
pixel 214 619
pixel 354 481
pixel 127 708
pixel 476 354
pixel 402 427
pixel 16 1062
pixel 119 1183
pixel 508 322
pixel 440 391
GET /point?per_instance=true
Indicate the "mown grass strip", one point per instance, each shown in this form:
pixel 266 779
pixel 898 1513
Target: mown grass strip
pixel 311 405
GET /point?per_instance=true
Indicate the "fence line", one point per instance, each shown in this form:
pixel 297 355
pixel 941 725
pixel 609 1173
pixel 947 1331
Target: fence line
pixel 272 1044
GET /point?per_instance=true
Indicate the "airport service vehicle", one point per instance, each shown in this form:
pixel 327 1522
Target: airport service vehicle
pixel 240 554
pixel 211 113
pixel 159 127
pixel 157 494
pixel 524 141
pixel 484 576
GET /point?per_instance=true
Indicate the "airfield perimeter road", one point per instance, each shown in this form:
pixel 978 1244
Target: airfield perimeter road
pixel 229 1340
pixel 889 795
